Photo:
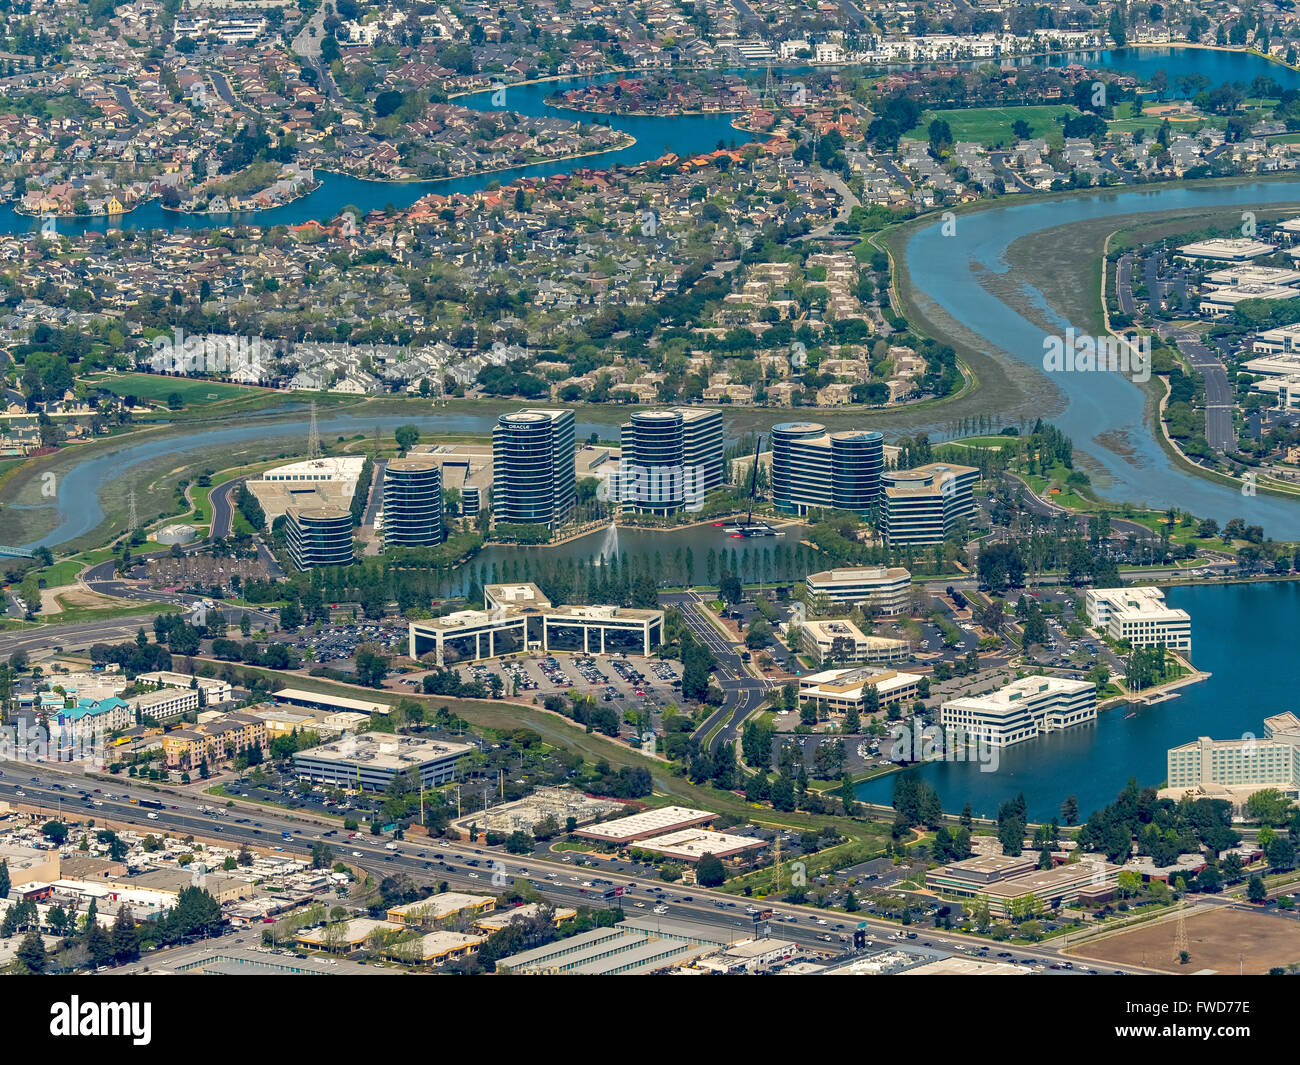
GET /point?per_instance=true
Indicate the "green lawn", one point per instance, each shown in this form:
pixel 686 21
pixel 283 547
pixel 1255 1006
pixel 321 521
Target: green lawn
pixel 154 389
pixel 991 126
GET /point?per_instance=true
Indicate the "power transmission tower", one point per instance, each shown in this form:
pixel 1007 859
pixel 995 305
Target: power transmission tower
pixel 313 436
pixel 132 519
pixel 776 862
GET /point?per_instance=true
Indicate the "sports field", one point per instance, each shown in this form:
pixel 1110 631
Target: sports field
pixel 991 126
pixel 156 389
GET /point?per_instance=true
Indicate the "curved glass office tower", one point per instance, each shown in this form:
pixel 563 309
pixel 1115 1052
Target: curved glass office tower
pixel 412 502
pixel 813 469
pixel 671 459
pixel 533 481
pixel 318 536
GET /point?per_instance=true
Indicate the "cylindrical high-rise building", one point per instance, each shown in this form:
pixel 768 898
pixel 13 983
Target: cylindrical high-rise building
pixel 813 469
pixel 533 472
pixel 671 459
pixel 799 471
pixel 857 461
pixel 413 502
pixel 318 536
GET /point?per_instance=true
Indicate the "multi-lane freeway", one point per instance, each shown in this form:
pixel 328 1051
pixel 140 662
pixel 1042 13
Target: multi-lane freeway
pixel 57 791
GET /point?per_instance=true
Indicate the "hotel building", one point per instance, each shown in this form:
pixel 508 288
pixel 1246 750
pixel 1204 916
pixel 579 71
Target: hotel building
pixel 1248 763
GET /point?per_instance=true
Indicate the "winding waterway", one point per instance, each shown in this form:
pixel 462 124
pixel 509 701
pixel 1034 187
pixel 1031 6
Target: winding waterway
pixel 1093 763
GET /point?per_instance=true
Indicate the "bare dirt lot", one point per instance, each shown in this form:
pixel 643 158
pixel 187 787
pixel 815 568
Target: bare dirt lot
pixel 1216 939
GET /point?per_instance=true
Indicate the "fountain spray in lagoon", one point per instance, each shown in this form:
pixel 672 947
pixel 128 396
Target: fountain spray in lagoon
pixel 608 546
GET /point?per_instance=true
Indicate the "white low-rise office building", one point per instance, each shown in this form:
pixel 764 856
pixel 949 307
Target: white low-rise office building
pixel 840 689
pixel 884 589
pixel 519 617
pixel 1140 616
pixel 1023 709
pixel 840 641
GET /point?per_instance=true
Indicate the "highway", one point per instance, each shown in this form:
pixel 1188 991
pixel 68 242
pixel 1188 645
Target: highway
pixel 436 860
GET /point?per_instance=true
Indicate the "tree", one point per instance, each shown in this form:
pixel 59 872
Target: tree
pixel 1070 811
pixel 407 437
pixel 99 946
pixel 710 872
pixel 55 831
pixel 4 879
pixel 126 937
pixel 1255 889
pixel 31 952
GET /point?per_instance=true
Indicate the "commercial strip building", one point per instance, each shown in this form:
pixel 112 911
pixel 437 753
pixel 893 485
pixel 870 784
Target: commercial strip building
pixel 328 703
pixel 883 589
pixel 1140 616
pixel 533 468
pixel 644 825
pixel 318 536
pixel 814 469
pixel 1234 769
pixel 692 844
pixel 371 760
pixel 621 950
pixel 840 690
pixel 439 908
pixel 923 505
pixel 556 805
pixel 843 642
pixel 413 502
pixel 1021 710
pixel 519 617
pixel 671 459
pixel 1012 884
